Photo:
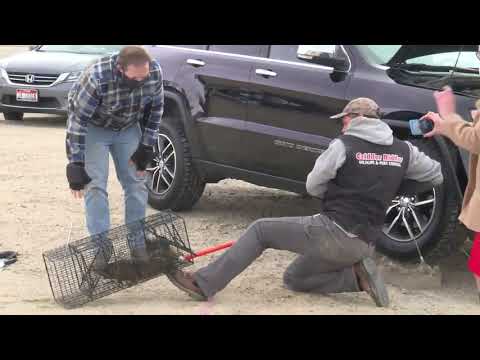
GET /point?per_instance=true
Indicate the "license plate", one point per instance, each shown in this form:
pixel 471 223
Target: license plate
pixel 30 95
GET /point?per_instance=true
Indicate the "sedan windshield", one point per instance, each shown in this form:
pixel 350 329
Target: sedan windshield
pixel 81 49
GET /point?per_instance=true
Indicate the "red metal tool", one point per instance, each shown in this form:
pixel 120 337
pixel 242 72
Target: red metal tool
pixel 209 250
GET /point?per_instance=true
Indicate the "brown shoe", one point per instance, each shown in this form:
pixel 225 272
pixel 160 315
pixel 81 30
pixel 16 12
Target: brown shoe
pixel 370 280
pixel 185 282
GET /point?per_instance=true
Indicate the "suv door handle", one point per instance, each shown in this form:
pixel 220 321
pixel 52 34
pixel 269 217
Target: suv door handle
pixel 266 73
pixel 195 62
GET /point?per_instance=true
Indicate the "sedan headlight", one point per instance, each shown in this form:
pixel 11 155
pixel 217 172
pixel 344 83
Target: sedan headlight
pixel 73 76
pixel 3 74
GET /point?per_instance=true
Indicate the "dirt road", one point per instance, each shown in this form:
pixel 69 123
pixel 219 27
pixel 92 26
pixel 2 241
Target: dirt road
pixel 37 211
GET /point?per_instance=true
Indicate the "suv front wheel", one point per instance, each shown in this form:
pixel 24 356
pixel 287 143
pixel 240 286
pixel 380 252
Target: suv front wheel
pixel 173 182
pixel 427 219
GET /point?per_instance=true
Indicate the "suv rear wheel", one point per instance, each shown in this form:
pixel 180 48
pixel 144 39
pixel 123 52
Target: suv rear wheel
pixel 428 218
pixel 172 180
pixel 13 115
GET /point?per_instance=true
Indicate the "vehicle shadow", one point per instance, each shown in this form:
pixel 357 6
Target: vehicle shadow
pixel 256 202
pixel 38 121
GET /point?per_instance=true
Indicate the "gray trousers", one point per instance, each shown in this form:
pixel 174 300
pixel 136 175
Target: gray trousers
pixel 324 265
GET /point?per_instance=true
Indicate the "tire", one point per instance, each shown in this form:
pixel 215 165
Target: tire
pixel 13 115
pixel 438 219
pixel 185 187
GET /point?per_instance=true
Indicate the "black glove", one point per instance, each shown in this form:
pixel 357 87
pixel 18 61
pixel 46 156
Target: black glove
pixel 77 176
pixel 142 156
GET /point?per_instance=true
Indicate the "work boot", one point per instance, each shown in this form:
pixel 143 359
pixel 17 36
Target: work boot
pixel 100 264
pixel 185 282
pixel 103 254
pixel 370 280
pixel 86 288
pixel 140 255
pixel 97 269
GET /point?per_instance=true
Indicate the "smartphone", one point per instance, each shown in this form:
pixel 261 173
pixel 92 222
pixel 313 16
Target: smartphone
pixel 419 127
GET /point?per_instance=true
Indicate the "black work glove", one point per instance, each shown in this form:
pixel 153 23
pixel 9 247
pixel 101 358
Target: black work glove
pixel 77 176
pixel 142 156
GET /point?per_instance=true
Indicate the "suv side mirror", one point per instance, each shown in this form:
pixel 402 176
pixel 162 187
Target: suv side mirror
pixel 327 55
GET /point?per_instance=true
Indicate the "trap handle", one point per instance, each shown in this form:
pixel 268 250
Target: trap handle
pixel 209 250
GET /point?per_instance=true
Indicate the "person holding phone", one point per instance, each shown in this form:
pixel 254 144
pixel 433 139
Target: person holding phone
pixel 467 136
pixel 355 178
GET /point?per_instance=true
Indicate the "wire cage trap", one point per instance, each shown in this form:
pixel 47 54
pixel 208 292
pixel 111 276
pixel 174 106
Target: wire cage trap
pixel 100 265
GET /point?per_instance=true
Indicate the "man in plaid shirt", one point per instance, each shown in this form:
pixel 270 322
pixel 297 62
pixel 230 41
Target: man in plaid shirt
pixel 114 108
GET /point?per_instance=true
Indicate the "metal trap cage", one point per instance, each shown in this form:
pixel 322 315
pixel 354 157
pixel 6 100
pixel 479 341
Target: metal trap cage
pixel 100 265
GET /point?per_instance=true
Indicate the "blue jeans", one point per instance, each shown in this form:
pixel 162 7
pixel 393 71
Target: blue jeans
pixel 101 142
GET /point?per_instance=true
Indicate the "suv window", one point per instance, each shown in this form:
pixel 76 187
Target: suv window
pixel 289 52
pixel 199 47
pixel 284 52
pixel 81 49
pixel 250 50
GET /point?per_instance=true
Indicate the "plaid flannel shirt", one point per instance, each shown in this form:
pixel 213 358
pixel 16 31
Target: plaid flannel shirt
pixel 97 98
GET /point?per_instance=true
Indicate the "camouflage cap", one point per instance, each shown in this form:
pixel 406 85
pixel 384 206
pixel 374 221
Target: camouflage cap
pixel 360 106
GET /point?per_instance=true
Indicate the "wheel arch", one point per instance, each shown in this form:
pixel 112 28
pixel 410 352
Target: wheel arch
pixel 176 107
pixel 398 121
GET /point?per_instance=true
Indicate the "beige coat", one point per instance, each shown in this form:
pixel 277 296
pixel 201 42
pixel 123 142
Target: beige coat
pixel 467 135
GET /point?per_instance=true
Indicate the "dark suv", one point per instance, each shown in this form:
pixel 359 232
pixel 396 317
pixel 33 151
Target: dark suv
pixel 260 113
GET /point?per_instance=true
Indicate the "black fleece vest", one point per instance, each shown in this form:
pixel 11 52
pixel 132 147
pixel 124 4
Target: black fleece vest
pixel 358 197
